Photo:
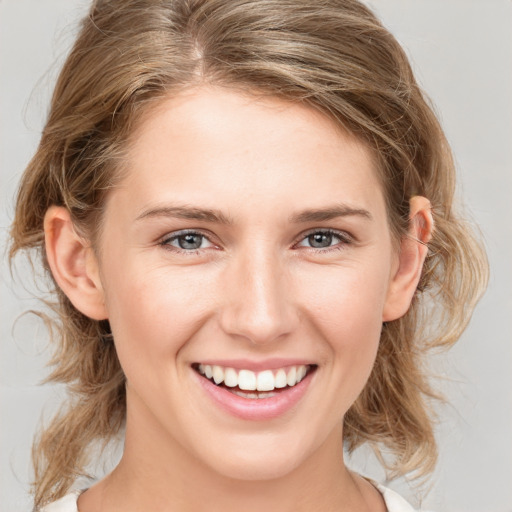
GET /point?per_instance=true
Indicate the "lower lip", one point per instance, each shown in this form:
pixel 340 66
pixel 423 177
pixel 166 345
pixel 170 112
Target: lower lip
pixel 255 409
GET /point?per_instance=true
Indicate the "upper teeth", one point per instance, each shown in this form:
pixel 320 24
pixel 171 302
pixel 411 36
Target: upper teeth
pixel 248 380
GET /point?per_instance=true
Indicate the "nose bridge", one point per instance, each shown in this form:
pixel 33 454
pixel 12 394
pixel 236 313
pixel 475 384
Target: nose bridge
pixel 258 305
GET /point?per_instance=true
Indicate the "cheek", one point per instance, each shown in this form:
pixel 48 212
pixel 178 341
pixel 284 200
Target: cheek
pixel 152 316
pixel 353 333
pixel 346 312
pixel 347 300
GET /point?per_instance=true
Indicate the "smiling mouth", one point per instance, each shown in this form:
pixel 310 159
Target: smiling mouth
pixel 254 385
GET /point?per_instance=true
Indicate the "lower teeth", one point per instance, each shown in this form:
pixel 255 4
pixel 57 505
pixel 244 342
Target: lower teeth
pixel 259 395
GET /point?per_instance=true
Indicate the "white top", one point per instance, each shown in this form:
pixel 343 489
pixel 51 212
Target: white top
pixel 394 502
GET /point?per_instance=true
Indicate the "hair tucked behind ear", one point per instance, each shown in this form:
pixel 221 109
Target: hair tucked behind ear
pixel 330 54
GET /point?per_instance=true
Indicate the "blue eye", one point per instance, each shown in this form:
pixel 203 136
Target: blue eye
pixel 320 240
pixel 187 241
pixel 193 241
pixel 324 239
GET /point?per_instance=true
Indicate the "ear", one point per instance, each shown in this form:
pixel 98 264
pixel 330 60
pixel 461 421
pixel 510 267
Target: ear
pixel 73 264
pixel 412 254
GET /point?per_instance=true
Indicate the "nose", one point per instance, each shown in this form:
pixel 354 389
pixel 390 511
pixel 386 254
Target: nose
pixel 258 302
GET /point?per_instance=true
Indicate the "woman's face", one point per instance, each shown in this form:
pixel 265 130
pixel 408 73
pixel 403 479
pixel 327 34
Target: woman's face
pixel 249 240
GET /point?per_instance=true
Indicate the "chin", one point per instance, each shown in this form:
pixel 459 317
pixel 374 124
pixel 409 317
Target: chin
pixel 257 461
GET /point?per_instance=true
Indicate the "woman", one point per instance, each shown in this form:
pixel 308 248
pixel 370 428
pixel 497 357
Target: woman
pixel 245 207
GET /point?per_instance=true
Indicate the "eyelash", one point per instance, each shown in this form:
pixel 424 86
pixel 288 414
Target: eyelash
pixel 166 242
pixel 343 237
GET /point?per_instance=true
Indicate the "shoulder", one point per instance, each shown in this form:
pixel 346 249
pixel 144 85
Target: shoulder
pixel 65 504
pixel 394 502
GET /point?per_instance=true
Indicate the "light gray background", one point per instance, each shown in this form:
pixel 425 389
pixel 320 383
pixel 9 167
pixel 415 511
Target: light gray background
pixel 462 52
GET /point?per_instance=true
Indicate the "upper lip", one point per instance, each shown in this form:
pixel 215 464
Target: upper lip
pixel 249 364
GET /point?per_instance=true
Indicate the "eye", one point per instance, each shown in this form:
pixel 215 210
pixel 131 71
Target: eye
pixel 187 241
pixel 325 239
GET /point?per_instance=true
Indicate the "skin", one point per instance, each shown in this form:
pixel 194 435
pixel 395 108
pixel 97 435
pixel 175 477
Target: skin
pixel 254 289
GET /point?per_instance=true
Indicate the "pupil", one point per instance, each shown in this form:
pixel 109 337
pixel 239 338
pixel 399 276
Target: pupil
pixel 190 241
pixel 320 240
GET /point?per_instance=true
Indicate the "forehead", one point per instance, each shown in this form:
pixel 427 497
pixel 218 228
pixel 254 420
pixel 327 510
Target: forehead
pixel 212 144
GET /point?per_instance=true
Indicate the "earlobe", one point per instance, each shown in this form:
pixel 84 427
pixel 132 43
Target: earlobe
pixel 73 264
pixel 412 254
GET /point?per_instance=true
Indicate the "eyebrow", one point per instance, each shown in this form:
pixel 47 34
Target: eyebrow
pixel 186 212
pixel 217 217
pixel 329 213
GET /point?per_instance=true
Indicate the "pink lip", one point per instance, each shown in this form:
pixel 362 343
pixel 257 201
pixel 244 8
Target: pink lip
pixel 252 408
pixel 255 366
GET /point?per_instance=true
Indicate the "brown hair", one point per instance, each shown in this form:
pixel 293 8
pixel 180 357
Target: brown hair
pixel 333 55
